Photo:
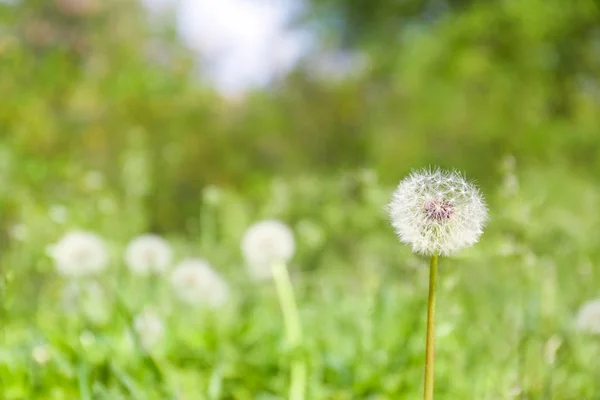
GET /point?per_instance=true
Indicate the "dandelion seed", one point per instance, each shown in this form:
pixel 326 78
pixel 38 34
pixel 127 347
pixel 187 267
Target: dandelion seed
pixel 266 243
pixel 79 254
pixel 196 283
pixel 437 211
pixel 150 329
pixel 588 317
pixel 148 254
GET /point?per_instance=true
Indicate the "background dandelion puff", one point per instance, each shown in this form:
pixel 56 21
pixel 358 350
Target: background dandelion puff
pixel 79 254
pixel 195 283
pixel 148 254
pixel 265 243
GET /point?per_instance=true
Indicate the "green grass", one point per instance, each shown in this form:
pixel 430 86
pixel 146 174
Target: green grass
pixel 362 297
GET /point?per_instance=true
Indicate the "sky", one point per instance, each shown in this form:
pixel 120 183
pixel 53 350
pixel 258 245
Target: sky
pixel 242 43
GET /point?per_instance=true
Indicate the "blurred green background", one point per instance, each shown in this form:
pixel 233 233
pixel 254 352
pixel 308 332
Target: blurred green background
pixel 106 124
pixel 450 83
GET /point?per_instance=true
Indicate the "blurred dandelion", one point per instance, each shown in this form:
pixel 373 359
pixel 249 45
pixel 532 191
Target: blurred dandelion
pixel 265 243
pixel 149 328
pixel 41 354
pixel 212 195
pixel 267 247
pixel 78 254
pixel 588 317
pixel 196 283
pixel 436 212
pixel 148 254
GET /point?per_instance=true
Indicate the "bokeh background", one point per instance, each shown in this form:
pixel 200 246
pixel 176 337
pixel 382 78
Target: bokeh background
pixel 194 119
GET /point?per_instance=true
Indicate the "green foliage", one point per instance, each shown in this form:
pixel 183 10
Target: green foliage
pixel 105 125
pixel 505 314
pixel 95 91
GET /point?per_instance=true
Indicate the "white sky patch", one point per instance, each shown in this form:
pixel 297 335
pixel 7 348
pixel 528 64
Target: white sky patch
pixel 242 43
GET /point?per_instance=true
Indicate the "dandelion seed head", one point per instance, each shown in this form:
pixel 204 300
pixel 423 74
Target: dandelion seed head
pixel 196 283
pixel 148 254
pixel 79 254
pixel 265 243
pixel 437 211
pixel 588 317
pixel 150 329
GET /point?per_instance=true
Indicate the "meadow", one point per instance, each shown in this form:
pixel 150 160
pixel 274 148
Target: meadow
pixel 507 307
pixel 110 125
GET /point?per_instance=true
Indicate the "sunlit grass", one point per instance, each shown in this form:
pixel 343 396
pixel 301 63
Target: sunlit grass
pixel 506 328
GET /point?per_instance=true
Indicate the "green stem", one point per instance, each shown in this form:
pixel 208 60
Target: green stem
pixel 291 319
pixel 430 347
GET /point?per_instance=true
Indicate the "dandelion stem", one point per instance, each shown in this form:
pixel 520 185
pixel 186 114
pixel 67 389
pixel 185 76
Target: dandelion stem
pixel 291 319
pixel 430 347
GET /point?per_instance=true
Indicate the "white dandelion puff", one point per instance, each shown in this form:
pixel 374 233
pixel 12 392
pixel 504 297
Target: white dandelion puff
pixel 79 254
pixel 149 328
pixel 265 243
pixel 437 212
pixel 148 254
pixel 588 317
pixel 196 283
